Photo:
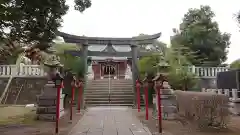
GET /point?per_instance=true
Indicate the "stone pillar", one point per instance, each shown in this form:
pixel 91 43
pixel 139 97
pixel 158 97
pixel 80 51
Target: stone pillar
pixel 234 95
pixel 219 91
pixel 85 62
pixel 168 99
pixel 85 59
pixel 90 73
pixel 128 73
pixel 226 92
pixel 134 50
pixel 47 102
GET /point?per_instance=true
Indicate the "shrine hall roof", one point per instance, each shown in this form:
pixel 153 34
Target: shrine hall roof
pixel 122 48
pixel 105 58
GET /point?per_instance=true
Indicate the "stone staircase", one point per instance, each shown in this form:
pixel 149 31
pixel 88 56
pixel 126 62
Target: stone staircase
pixel 97 92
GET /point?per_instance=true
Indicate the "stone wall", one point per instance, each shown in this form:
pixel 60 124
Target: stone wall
pixel 24 90
pixel 203 109
pixel 3 84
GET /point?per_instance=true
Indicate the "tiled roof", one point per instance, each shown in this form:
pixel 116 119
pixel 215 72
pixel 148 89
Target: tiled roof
pixel 117 48
pixel 104 58
pixel 122 48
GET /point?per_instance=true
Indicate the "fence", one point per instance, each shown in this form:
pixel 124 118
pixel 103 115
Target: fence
pixel 234 94
pixel 22 70
pixel 207 71
pixel 37 70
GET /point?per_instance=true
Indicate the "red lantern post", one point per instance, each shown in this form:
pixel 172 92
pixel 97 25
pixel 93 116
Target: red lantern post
pixel 62 85
pixel 59 85
pixel 72 98
pixel 159 86
pixel 58 108
pixel 79 95
pixel 146 98
pixel 138 85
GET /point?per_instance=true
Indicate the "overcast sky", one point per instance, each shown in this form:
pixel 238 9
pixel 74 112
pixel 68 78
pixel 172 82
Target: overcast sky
pixel 127 18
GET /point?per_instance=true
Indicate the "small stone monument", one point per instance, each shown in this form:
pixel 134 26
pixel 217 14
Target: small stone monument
pixel 128 73
pixel 90 75
pixel 168 101
pixel 46 102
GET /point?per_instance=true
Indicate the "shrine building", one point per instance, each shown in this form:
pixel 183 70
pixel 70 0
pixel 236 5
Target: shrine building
pixel 113 67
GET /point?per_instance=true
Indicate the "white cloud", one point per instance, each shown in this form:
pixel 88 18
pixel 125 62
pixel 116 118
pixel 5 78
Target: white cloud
pixel 127 18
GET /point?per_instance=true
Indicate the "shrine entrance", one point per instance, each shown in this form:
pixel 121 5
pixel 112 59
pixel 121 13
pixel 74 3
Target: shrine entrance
pixel 113 48
pixel 109 70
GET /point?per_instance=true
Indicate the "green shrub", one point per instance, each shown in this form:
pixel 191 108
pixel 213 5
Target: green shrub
pixel 181 79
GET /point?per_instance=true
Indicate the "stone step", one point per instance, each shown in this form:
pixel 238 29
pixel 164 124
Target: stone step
pixel 123 92
pixel 112 82
pixel 127 82
pixel 112 85
pixel 107 88
pixel 48 97
pixel 92 105
pixel 107 95
pixel 47 102
pixel 106 92
pixel 111 98
pixel 97 92
pixel 111 89
pixel 107 102
pixel 47 110
pixel 49 117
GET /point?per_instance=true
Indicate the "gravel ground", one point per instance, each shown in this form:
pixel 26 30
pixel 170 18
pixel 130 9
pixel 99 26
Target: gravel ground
pixel 176 128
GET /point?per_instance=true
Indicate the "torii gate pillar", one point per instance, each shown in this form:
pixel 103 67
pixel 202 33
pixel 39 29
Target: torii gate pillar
pixel 134 50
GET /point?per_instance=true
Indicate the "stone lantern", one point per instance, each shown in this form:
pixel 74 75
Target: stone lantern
pixel 163 65
pixel 46 109
pixel 167 97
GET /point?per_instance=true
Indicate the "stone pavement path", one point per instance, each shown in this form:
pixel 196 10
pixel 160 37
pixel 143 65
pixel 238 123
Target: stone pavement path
pixel 109 121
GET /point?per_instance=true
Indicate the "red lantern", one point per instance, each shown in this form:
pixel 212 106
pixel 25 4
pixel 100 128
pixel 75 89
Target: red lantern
pixel 146 98
pixel 80 86
pixel 138 85
pixel 59 85
pixel 72 98
pixel 158 90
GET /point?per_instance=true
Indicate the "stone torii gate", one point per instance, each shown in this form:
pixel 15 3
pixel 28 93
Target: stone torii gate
pixel 109 51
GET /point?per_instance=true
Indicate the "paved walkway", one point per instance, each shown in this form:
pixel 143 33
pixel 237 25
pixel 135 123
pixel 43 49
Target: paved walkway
pixel 109 121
